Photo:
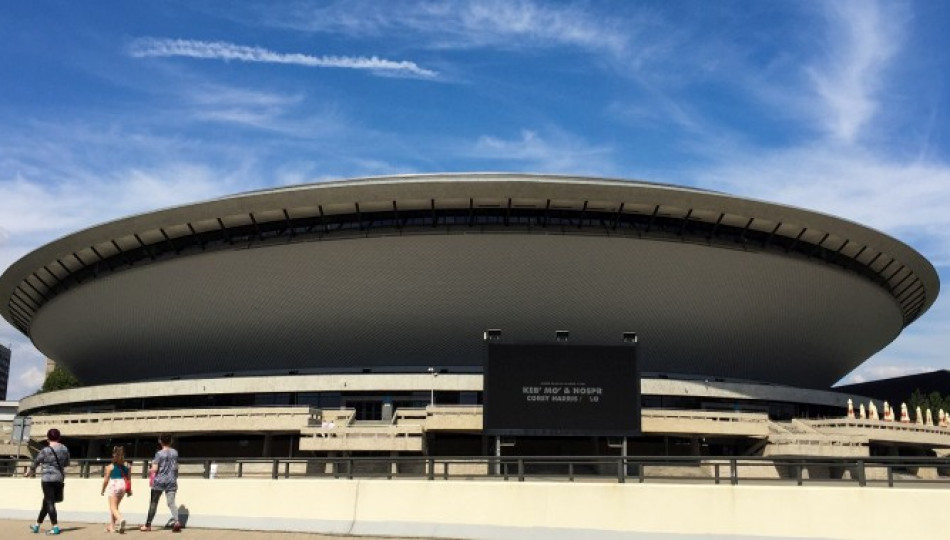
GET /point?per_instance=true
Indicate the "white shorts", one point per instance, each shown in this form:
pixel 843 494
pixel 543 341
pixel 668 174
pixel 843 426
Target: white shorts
pixel 116 487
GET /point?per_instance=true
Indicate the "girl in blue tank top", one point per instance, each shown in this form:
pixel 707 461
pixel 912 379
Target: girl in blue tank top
pixel 114 484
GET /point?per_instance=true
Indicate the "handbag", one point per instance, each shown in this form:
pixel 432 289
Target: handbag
pixel 58 492
pixel 128 480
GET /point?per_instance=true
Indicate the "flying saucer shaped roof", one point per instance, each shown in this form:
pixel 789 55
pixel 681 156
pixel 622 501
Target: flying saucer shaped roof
pixel 402 272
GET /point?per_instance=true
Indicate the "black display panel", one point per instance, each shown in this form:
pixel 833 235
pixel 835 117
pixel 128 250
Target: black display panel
pixel 561 389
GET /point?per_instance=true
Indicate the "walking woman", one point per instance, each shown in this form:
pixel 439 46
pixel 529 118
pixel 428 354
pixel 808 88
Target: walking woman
pixel 116 482
pixel 54 459
pixel 165 471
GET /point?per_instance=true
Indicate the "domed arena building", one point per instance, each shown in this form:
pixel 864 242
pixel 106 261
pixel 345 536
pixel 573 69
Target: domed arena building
pixel 351 317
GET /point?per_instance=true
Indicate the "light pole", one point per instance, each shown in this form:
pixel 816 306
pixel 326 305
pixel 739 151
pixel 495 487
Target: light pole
pixel 21 431
pixel 434 374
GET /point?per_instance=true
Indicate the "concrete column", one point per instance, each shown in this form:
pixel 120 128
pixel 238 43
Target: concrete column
pixel 92 449
pixel 265 451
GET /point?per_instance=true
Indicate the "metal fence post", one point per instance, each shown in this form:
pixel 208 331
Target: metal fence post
pixel 734 472
pixel 275 470
pixel 862 476
pixel 430 474
pixel 621 470
pixel 520 469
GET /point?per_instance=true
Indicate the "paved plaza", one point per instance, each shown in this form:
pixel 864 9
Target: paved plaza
pixel 15 530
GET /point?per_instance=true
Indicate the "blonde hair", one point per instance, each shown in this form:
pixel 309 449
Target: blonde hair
pixel 118 455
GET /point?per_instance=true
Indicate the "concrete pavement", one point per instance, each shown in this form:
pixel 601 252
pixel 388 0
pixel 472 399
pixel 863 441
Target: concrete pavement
pixel 16 530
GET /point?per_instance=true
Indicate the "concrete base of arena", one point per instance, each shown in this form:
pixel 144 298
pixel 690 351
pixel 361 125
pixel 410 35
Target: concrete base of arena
pixel 494 509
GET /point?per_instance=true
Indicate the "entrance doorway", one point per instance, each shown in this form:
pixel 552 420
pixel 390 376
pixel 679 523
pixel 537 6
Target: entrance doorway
pixel 365 407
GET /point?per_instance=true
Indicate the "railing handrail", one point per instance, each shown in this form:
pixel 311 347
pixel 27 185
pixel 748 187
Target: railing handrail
pixel 73 418
pixel 928 461
pixel 520 468
pixel 879 424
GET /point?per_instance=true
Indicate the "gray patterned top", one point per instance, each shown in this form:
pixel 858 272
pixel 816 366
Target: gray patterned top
pixel 166 478
pixel 47 458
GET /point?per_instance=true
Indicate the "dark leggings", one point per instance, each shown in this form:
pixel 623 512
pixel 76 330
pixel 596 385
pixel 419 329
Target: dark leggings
pixel 49 502
pixel 153 505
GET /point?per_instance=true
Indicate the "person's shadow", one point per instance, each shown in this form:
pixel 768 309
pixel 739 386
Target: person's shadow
pixel 183 515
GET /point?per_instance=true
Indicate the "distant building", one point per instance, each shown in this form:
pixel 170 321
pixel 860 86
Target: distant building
pixel 899 389
pixel 4 371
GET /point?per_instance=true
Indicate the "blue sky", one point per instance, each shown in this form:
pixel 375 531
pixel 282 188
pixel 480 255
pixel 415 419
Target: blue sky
pixel 114 108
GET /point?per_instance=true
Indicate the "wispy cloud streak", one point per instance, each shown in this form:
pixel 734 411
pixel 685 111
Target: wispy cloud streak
pixel 220 50
pixel 507 24
pixel 864 39
pixel 555 151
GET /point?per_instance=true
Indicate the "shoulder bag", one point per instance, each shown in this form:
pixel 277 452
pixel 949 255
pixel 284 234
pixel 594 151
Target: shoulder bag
pixel 128 480
pixel 58 493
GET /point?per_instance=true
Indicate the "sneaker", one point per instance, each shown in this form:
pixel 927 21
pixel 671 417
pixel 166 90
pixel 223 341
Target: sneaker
pixel 54 530
pixel 176 527
pixel 122 526
pixel 35 528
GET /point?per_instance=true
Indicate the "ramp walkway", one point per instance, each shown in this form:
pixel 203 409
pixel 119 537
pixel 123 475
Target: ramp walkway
pixel 338 430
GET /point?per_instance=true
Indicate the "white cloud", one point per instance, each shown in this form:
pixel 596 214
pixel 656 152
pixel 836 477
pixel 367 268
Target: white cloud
pixel 28 381
pixel 280 113
pixel 885 372
pixel 219 50
pixel 864 37
pixel 553 152
pixel 495 22
pixel 906 200
pixel 33 210
pixel 505 24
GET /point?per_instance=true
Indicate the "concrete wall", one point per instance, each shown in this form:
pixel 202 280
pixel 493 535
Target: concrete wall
pixel 372 382
pixel 495 509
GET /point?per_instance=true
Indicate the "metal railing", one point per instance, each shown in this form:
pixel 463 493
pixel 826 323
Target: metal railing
pixel 864 471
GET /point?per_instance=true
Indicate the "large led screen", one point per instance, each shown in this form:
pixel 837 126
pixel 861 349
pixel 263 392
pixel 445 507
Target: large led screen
pixel 561 389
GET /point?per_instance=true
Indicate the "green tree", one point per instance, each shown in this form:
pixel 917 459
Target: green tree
pixel 933 401
pixel 59 379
